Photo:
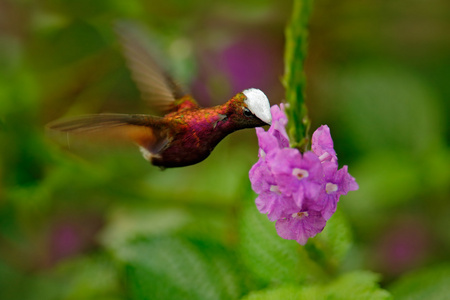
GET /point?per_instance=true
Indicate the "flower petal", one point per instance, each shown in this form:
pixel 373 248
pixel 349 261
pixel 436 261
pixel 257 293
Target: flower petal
pixel 267 142
pixel 346 181
pixel 322 144
pixel 302 227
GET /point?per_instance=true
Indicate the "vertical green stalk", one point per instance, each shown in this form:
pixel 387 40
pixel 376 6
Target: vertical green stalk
pixel 294 79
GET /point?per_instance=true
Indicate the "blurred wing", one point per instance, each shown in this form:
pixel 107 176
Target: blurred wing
pixel 146 131
pixel 157 88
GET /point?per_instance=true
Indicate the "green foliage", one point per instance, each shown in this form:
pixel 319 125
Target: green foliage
pixel 176 268
pixel 285 292
pixel 276 261
pixel 268 257
pixel 331 246
pixel 354 285
pixel 431 283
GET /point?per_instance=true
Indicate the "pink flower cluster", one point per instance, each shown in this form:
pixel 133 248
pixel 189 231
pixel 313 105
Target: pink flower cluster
pixel 298 191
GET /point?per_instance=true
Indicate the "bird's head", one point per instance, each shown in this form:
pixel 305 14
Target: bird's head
pixel 249 109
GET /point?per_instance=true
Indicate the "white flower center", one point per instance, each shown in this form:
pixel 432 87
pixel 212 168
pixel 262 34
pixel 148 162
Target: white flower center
pixel 275 189
pixel 300 215
pixel 300 173
pixel 331 188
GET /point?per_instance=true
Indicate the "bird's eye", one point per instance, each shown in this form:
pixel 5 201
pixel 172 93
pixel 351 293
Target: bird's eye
pixel 247 112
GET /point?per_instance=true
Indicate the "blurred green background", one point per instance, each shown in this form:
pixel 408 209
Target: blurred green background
pixel 89 221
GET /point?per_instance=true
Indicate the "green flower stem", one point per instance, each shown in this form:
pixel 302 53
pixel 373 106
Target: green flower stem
pixel 294 79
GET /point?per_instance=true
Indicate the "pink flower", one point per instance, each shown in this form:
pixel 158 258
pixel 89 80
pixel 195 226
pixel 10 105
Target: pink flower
pixel 322 144
pixel 298 191
pixel 300 226
pixel 336 183
pixel 298 175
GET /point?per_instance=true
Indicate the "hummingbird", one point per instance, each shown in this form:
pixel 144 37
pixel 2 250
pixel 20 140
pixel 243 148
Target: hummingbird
pixel 187 133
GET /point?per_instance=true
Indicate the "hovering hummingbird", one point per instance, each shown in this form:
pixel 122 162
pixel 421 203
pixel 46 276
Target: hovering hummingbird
pixel 187 133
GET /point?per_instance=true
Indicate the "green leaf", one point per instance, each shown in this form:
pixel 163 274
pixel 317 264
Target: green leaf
pixel 285 293
pixel 355 285
pixel 269 257
pixel 432 283
pixel 175 268
pixel 331 245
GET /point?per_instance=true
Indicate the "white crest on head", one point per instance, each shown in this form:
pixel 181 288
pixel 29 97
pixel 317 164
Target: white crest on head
pixel 258 104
